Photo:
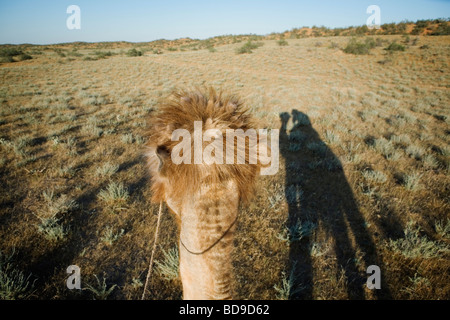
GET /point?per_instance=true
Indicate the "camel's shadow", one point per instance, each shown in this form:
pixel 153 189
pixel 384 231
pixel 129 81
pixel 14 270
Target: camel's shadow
pixel 319 197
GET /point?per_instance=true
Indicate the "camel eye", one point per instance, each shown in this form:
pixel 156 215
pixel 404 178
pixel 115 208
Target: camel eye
pixel 162 152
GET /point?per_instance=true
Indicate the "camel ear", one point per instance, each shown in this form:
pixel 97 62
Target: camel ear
pixel 163 154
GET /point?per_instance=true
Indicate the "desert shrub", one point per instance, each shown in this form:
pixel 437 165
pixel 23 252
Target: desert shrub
pixel 420 26
pixel 401 27
pixel 103 54
pixel 159 51
pixel 134 53
pixel 74 53
pixel 8 55
pixel 282 42
pixel 10 52
pixel 6 59
pixel 362 30
pixel 60 53
pixel 389 28
pixel 394 46
pixel 356 47
pixel 443 29
pixel 248 47
pixel 370 43
pixel 36 51
pixel 24 57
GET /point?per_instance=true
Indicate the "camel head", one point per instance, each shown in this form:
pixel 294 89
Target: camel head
pixel 187 138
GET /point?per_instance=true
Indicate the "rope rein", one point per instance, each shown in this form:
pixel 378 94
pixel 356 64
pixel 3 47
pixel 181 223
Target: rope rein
pixel 153 252
pixel 150 266
pixel 213 244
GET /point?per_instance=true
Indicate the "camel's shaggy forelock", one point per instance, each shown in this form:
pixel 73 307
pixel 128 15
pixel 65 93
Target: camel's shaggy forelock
pixel 216 111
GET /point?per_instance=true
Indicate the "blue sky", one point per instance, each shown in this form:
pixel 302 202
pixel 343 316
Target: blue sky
pixel 44 21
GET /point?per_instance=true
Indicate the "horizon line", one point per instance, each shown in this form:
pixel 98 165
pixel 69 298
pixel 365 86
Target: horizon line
pixel 224 35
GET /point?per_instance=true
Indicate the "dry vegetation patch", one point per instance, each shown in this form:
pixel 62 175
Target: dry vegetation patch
pixel 364 176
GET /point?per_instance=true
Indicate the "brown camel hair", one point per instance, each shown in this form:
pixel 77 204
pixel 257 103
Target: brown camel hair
pixel 204 197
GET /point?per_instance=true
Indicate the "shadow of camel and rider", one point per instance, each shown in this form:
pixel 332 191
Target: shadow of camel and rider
pixel 319 196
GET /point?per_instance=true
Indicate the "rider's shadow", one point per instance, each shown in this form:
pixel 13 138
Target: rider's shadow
pixel 319 197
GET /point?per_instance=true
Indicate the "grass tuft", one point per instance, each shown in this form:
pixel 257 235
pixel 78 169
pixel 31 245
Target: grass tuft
pixel 115 193
pixel 288 287
pixel 50 217
pixel 375 176
pixel 109 236
pixel 14 284
pixel 413 245
pixel 100 291
pixel 297 232
pixel 411 181
pixel 107 170
pixel 168 268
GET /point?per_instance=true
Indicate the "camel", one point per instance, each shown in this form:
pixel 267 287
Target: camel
pixel 205 198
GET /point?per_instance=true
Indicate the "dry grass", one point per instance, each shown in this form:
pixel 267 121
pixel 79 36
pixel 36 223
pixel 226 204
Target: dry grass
pixel 364 174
